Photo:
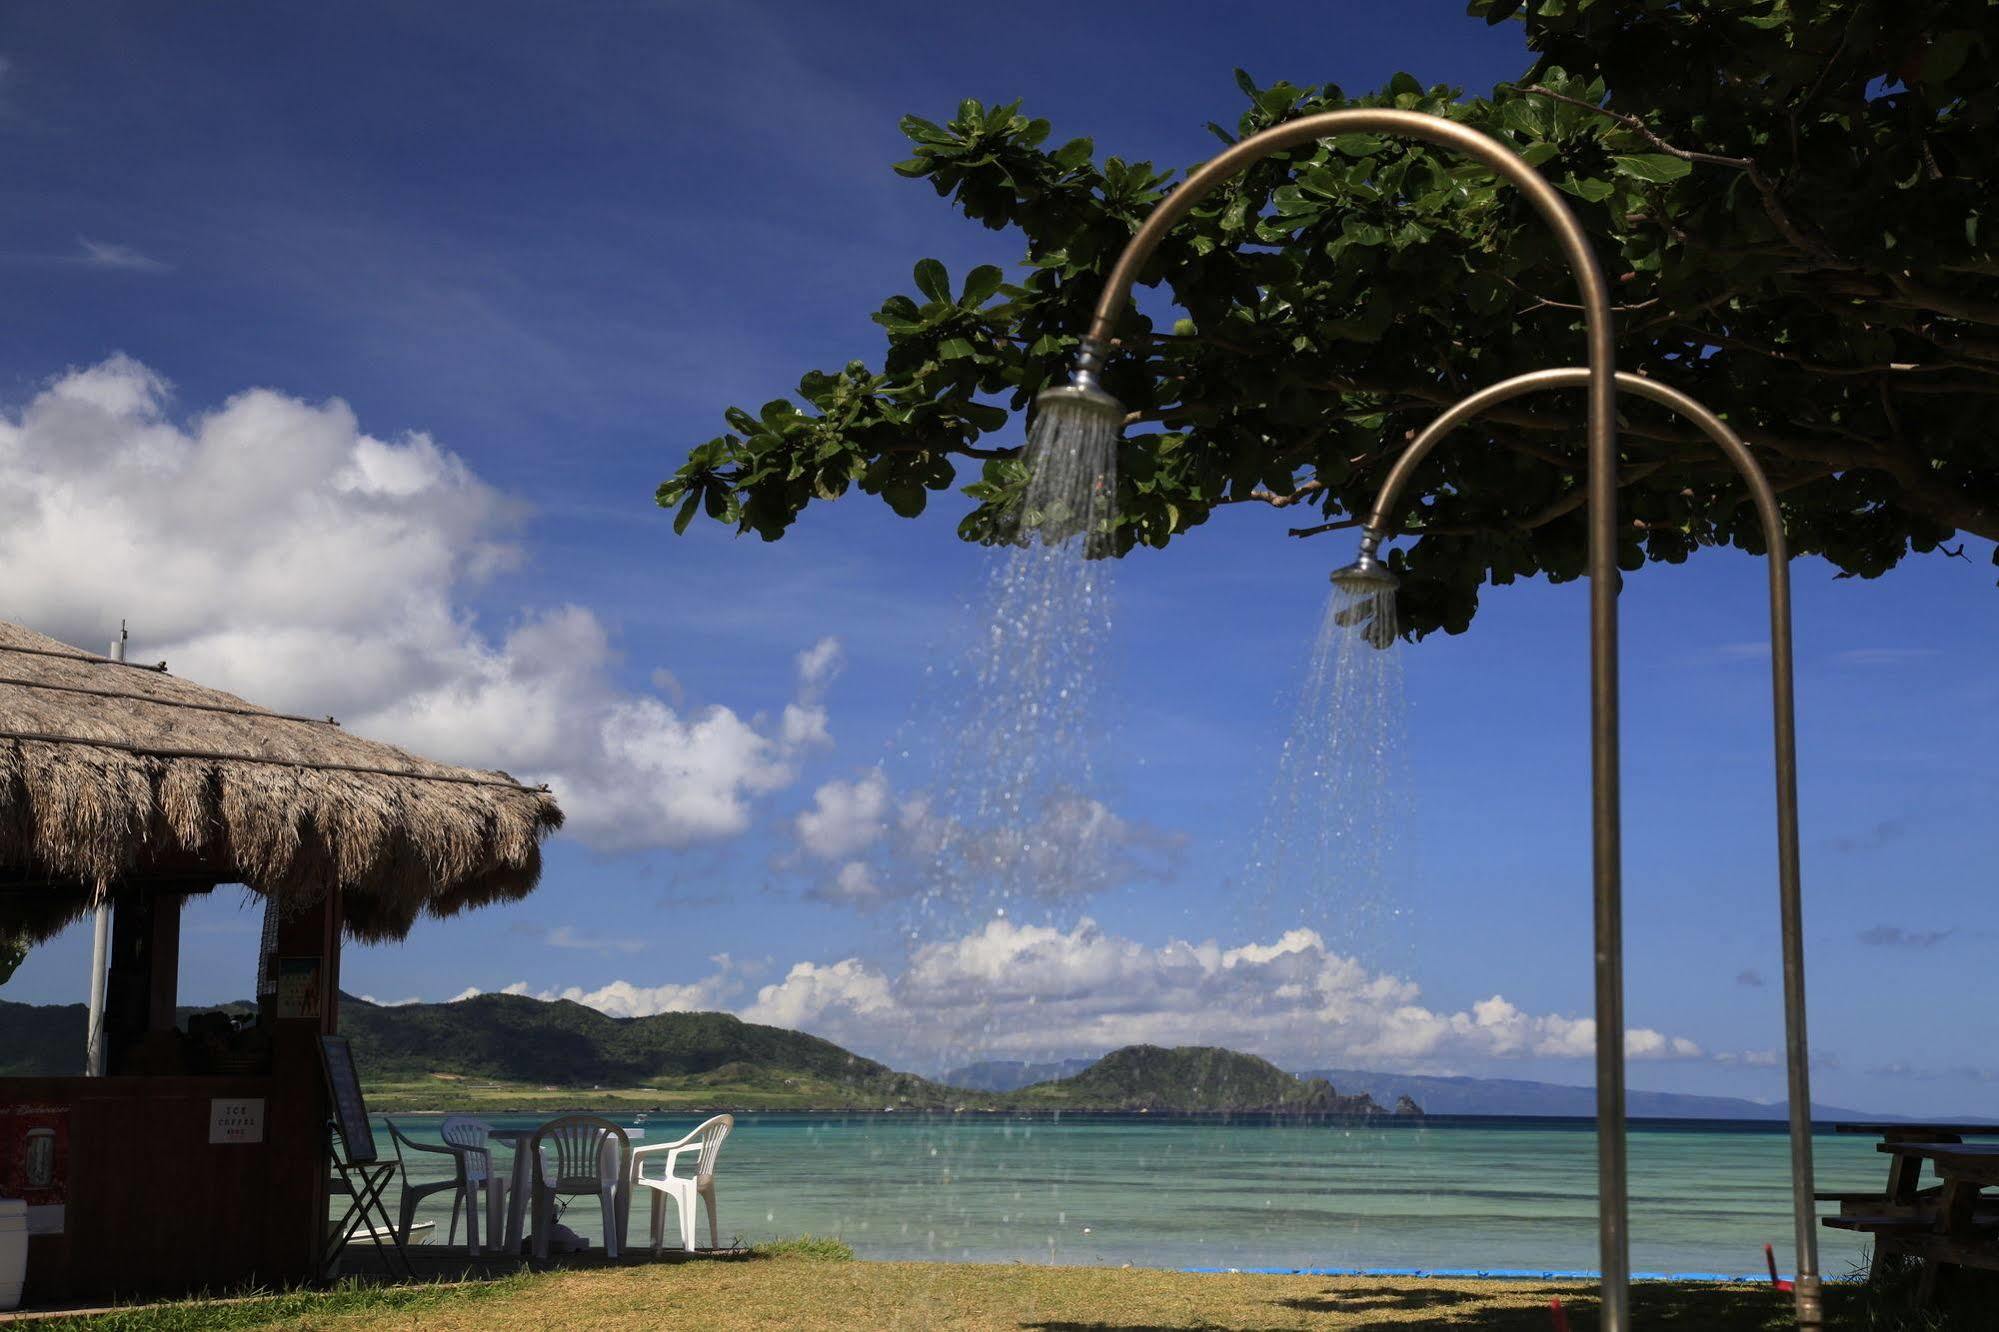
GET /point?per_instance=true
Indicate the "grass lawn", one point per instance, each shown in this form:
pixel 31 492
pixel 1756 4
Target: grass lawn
pixel 798 1293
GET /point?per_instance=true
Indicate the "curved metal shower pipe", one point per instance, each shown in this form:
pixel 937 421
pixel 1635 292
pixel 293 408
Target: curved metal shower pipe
pixel 1612 1200
pixel 1807 1286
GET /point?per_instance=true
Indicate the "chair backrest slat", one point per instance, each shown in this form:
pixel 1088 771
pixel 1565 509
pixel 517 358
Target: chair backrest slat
pixel 465 1131
pixel 712 1134
pixel 570 1153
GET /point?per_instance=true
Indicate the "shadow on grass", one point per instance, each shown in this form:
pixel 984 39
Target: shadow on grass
pixel 1708 1308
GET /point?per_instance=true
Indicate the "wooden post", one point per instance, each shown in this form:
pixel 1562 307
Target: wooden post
pixel 297 1115
pixel 128 987
pixel 163 989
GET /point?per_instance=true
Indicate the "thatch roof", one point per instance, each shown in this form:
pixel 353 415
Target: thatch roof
pixel 112 772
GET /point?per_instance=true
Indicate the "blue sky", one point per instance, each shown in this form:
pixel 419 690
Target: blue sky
pixel 555 242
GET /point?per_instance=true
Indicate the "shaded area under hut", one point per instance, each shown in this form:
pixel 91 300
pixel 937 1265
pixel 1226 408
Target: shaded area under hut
pixel 200 1159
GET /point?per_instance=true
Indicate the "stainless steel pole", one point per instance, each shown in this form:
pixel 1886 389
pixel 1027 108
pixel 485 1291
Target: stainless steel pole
pixel 1612 1203
pixel 1807 1287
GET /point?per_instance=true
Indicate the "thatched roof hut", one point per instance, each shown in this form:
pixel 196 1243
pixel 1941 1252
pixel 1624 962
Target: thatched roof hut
pixel 115 772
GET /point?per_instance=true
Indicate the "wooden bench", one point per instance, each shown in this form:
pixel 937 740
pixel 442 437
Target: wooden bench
pixel 1959 1231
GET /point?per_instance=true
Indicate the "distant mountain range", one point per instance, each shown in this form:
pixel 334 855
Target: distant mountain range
pixel 499 1050
pixel 432 1055
pixel 1514 1096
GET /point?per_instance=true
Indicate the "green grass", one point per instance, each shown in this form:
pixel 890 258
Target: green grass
pixel 1966 1300
pixel 806 1283
pixel 263 1310
pixel 806 1248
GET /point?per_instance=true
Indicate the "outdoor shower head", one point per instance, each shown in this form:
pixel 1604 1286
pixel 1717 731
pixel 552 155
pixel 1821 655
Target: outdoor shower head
pixel 1080 400
pixel 1367 575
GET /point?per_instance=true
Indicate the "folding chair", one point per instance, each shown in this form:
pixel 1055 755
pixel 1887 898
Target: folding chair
pixel 359 1171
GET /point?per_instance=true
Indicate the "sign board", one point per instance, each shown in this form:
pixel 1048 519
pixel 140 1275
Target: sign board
pixel 235 1121
pixel 34 1162
pixel 350 1112
pixel 298 988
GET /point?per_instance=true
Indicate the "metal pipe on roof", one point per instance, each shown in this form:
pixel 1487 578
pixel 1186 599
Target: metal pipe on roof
pixel 100 947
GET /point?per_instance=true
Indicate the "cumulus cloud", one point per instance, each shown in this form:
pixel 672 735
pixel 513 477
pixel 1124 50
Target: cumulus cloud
pixel 874 846
pixel 274 548
pixel 1749 1058
pixel 1034 990
pixel 846 818
pixel 711 993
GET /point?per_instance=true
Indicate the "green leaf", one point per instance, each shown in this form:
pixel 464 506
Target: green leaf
pixel 1946 56
pixel 686 514
pixel 1590 188
pixel 981 283
pixel 1656 167
pixel 923 131
pixel 933 281
pixel 955 349
pixel 907 498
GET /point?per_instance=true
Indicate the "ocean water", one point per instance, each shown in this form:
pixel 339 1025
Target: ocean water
pixel 1246 1193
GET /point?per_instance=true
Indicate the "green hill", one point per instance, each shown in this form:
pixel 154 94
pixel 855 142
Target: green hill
pixel 42 1040
pixel 503 1051
pixel 1189 1078
pixel 496 1048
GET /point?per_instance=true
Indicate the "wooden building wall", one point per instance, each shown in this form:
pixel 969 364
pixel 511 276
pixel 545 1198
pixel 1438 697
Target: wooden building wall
pixel 153 1207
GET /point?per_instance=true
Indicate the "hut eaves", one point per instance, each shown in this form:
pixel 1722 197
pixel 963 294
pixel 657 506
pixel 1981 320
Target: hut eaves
pixel 113 772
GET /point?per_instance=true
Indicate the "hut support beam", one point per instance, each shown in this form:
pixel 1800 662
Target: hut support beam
pixel 163 997
pixel 143 988
pixel 298 1112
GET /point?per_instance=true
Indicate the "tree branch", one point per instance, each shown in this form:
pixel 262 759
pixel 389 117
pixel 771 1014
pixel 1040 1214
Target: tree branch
pixel 1772 206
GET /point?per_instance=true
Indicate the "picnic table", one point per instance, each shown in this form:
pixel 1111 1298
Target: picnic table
pixel 1944 1224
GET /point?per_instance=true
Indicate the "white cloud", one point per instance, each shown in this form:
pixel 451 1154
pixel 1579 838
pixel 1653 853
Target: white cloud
pixel 846 817
pixel 273 548
pixel 391 1003
pixel 622 999
pixel 567 936
pixel 1030 989
pixel 104 254
pixel 1749 1058
pixel 818 664
pixel 1035 990
pixel 809 990
pixel 1885 656
pixel 1069 846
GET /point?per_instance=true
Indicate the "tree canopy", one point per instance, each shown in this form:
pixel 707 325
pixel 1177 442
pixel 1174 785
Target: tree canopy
pixel 1792 200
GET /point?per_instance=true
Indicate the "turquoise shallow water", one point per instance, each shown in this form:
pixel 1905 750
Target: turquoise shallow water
pixel 1449 1193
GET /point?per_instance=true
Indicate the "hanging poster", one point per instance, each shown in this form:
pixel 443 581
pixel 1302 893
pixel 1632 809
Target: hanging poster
pixel 34 1162
pixel 298 988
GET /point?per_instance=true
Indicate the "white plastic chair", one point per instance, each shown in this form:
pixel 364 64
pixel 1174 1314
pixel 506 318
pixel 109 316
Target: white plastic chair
pixel 707 1140
pixel 580 1155
pixel 472 1162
